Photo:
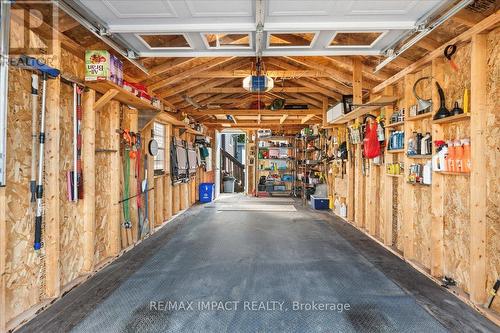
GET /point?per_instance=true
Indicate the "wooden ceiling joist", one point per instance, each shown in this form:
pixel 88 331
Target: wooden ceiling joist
pixel 168 66
pixel 271 73
pixel 254 112
pixel 187 73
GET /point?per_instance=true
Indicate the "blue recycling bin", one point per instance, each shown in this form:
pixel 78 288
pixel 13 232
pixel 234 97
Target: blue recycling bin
pixel 207 192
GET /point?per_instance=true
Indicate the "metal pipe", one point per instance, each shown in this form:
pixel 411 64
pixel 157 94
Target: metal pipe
pixel 424 32
pixel 4 83
pixel 99 34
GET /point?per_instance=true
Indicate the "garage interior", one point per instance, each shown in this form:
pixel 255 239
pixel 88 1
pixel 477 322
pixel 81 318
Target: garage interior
pixel 253 157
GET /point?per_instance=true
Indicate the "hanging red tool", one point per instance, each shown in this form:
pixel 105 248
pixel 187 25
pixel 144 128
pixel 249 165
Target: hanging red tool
pixel 371 145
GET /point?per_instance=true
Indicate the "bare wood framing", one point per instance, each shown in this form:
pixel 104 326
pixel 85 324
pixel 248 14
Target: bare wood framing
pixel 485 24
pixel 114 225
pixel 88 169
pixel 253 112
pixel 478 197
pixel 51 183
pixel 105 99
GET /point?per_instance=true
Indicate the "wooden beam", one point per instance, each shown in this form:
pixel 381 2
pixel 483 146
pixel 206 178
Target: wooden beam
pixel 88 169
pixel 305 119
pixel 359 179
pixel 108 96
pixel 168 66
pixel 336 74
pixel 270 73
pixel 485 24
pixel 187 73
pixel 283 118
pixel 114 227
pixel 325 110
pixel 52 193
pixel 158 197
pixel 428 43
pixel 239 90
pixel 478 179
pixel 467 17
pixel 3 259
pixel 254 112
pixel 438 180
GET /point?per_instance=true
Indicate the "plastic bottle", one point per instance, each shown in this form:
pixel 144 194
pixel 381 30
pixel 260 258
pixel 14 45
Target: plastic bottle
pixel 466 165
pixel 459 154
pixel 427 173
pixel 343 210
pixel 450 158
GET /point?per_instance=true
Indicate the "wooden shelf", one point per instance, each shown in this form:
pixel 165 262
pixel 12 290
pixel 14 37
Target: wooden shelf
pixel 452 119
pixel 373 105
pixel 397 176
pixel 420 156
pixel 420 116
pixel 395 151
pixel 399 123
pixel 418 184
pixel 449 173
pixel 123 95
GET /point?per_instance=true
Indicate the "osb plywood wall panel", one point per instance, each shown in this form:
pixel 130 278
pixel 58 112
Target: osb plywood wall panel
pixel 102 180
pixel 71 213
pixel 457 194
pixel 24 266
pixel 493 160
pixel 422 224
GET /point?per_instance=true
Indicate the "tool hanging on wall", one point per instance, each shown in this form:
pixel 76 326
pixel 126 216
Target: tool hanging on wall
pixel 34 141
pixel 493 293
pixel 75 181
pixel 145 190
pixel 46 72
pixel 424 105
pixel 127 144
pixel 449 51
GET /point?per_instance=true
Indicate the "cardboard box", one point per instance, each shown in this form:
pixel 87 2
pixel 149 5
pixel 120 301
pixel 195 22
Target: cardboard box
pixel 97 65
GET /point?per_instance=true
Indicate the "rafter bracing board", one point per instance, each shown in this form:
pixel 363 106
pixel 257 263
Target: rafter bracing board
pixel 207 86
pixel 467 17
pixel 238 90
pixel 306 118
pixel 189 72
pixel 108 96
pixel 283 118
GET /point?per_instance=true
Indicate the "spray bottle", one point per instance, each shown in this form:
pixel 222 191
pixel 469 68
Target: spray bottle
pixel 466 165
pixel 450 158
pixel 439 158
pixel 459 153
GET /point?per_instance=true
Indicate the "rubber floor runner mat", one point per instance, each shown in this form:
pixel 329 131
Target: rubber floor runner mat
pixel 256 207
pixel 243 272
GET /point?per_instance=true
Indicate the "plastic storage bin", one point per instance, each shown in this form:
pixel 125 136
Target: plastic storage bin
pixel 319 202
pixel 206 192
pixel 229 184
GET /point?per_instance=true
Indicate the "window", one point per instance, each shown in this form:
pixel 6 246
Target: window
pixel 165 41
pixel 291 39
pixel 234 40
pixel 355 38
pixel 160 158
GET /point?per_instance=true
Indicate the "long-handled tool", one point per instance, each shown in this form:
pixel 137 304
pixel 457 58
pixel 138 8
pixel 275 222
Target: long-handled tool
pixel 34 136
pixel 145 190
pixel 46 72
pixel 493 294
pixel 39 186
pixel 75 183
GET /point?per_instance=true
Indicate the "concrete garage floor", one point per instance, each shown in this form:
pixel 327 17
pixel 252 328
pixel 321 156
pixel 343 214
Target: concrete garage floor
pixel 214 270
